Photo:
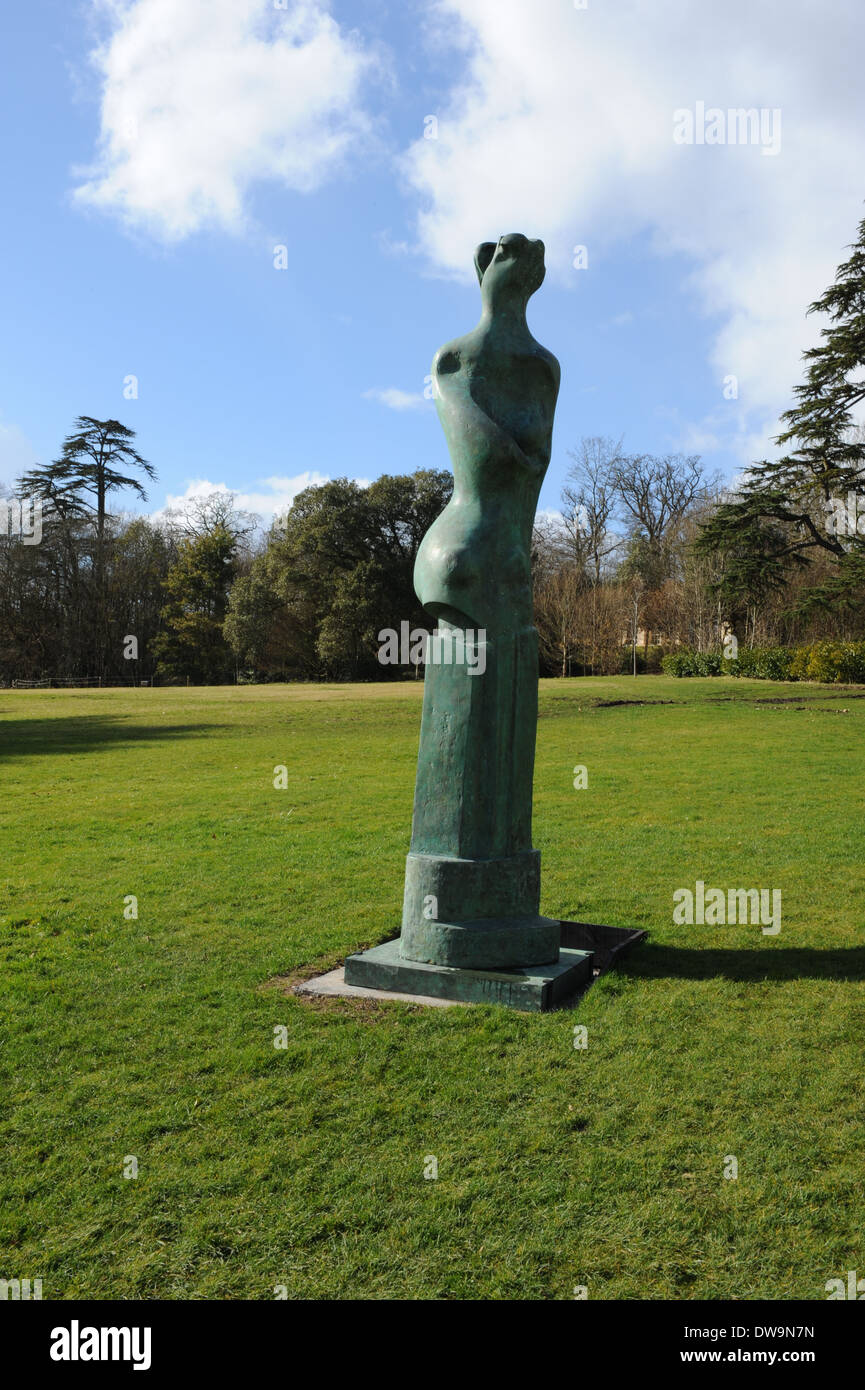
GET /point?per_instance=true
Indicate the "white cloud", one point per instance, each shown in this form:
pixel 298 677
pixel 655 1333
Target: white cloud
pixel 561 127
pixel 549 517
pixel 203 98
pixel 391 247
pixel 275 496
pixel 395 399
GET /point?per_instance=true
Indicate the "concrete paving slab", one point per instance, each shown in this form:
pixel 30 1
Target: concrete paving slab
pixel 333 984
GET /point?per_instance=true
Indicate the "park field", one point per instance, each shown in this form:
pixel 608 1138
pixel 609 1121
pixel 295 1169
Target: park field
pixel 301 1167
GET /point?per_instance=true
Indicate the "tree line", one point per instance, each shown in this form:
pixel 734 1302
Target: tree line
pixel 647 553
pixel 200 595
pixel 654 547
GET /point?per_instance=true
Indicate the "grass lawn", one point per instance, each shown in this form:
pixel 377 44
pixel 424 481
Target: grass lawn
pixel 303 1166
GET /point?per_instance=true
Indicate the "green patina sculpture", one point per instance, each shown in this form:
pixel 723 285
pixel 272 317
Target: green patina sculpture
pixel 472 888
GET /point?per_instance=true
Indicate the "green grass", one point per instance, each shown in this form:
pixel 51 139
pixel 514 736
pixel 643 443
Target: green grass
pixel 304 1166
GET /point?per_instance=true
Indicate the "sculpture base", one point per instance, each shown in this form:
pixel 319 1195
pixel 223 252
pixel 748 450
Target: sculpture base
pixel 532 988
pixel 483 912
pixel 488 943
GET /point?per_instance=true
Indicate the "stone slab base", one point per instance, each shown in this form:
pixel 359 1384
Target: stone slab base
pixel 333 986
pixel 534 989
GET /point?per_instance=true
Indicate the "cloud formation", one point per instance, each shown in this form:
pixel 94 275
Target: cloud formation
pixel 561 125
pixel 202 99
pixel 273 496
pixel 395 399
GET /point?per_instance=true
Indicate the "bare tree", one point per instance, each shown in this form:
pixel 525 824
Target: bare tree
pixel 214 511
pixel 656 494
pixel 557 603
pixel 589 499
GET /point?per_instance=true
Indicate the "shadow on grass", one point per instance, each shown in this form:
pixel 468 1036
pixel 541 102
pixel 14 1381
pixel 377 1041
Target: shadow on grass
pixel 774 963
pixel 21 738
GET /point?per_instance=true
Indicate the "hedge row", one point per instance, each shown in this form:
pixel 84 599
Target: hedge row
pixel 821 661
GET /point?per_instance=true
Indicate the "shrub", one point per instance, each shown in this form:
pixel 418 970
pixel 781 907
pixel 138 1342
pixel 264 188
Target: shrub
pixel 832 661
pixel 763 663
pixel 685 662
pixel 829 661
pixel 679 663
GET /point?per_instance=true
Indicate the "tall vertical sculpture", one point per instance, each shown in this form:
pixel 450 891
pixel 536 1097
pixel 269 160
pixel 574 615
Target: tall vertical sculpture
pixel 472 885
pixel 471 856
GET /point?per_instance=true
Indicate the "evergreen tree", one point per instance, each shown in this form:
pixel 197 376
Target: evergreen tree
pixel 191 644
pixel 88 463
pixel 787 509
pixel 76 486
pixel 336 570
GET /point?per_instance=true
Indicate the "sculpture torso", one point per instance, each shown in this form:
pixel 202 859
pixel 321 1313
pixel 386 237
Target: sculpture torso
pixel 495 390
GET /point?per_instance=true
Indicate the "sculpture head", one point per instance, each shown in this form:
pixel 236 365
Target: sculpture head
pixel 510 269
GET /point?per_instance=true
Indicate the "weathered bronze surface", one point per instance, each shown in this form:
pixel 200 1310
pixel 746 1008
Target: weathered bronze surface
pixel 472 888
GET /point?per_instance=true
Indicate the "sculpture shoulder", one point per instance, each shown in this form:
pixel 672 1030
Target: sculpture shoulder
pixel 551 362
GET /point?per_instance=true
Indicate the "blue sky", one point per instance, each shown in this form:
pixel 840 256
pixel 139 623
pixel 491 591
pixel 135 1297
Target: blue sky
pixel 156 152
